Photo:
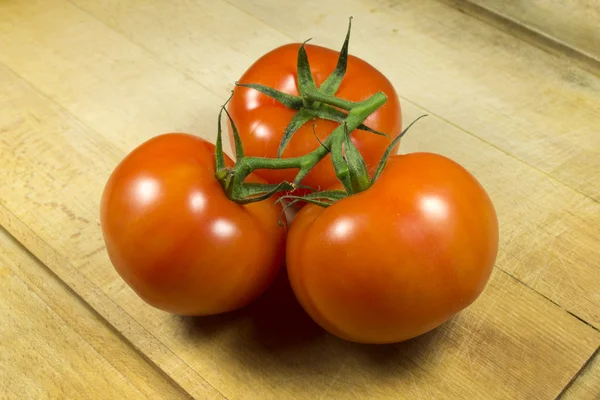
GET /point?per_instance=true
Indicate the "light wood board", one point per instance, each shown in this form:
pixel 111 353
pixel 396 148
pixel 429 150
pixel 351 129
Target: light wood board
pixel 523 121
pixel 54 346
pixel 565 28
pixel 587 384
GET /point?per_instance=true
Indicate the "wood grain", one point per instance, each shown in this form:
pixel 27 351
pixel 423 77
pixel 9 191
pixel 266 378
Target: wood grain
pixel 54 364
pixel 200 346
pixel 66 122
pixel 58 191
pixel 567 27
pixel 587 384
pixel 79 318
pixel 53 346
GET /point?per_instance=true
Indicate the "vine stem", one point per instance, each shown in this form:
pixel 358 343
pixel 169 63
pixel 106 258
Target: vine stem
pixel 357 113
pixel 317 96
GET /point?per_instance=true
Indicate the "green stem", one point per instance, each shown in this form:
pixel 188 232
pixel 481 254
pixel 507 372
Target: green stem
pixel 357 114
pixel 314 95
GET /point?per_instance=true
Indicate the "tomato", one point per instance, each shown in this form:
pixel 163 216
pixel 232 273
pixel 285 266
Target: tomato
pixel 177 240
pixel 398 259
pixel 261 120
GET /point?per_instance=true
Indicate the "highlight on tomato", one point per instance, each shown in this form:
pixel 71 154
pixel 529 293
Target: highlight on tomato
pixel 398 259
pixel 175 237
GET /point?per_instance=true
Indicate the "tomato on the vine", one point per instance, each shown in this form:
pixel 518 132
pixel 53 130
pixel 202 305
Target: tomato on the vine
pixel 398 259
pixel 261 120
pixel 177 240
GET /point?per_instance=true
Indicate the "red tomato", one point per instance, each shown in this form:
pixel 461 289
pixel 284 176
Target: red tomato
pixel 177 240
pixel 261 120
pixel 398 259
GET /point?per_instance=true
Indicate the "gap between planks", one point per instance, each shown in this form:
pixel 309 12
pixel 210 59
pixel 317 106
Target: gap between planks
pixel 463 6
pixel 11 224
pixel 571 387
pixel 529 34
pixel 67 306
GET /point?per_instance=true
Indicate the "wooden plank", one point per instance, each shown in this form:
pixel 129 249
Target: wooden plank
pixel 118 88
pixel 586 385
pixel 59 146
pixel 565 286
pixel 43 358
pixel 61 324
pixel 58 191
pixel 214 55
pixel 568 27
pixel 488 350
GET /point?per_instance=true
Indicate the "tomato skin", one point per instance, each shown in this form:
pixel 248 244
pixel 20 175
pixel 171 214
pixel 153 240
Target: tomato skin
pixel 175 238
pixel 399 259
pixel 261 120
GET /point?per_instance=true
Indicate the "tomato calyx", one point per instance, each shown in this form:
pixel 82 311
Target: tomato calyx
pixel 352 172
pixel 322 199
pixel 348 163
pixel 232 179
pixel 312 103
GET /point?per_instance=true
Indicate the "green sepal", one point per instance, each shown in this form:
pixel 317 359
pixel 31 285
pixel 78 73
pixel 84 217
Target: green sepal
pixel 340 166
pixel 333 81
pixel 288 100
pixel 388 151
pixel 299 186
pixel 219 155
pixel 330 195
pixel 254 192
pixel 336 115
pixel 299 119
pixel 361 111
pixel 357 169
pixel 225 177
pixel 239 148
pixel 322 199
pixel 222 173
pixel 323 112
pixel 306 81
pixel 319 140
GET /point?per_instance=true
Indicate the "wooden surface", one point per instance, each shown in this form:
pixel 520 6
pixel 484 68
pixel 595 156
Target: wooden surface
pixel 82 82
pixel 568 27
pixel 76 353
pixel 587 384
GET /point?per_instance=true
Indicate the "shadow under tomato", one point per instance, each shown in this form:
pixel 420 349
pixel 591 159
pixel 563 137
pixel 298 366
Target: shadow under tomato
pixel 275 334
pixel 201 328
pixel 275 320
pixel 278 319
pixel 384 358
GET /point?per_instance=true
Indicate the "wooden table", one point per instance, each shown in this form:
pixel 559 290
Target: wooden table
pixel 512 93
